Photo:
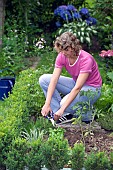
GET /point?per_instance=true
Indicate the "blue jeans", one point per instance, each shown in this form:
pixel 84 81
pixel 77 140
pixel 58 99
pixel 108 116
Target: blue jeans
pixel 83 103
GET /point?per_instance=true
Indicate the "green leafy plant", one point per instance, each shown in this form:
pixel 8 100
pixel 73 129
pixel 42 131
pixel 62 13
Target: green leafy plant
pixel 104 15
pixel 83 32
pixel 16 154
pixel 97 161
pixel 111 160
pixel 55 150
pixel 105 105
pixel 33 134
pixel 85 112
pixel 17 110
pixel 78 155
pixel 34 157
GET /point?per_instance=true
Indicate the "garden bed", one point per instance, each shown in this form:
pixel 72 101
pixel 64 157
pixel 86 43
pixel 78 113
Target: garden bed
pixel 95 138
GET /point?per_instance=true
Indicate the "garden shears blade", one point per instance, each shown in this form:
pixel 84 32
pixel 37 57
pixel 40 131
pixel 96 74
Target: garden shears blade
pixel 51 118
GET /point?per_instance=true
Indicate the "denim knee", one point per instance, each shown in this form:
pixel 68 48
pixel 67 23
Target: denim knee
pixel 42 79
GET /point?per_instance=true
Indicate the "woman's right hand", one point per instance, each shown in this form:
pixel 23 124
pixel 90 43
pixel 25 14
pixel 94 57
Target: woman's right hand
pixel 46 109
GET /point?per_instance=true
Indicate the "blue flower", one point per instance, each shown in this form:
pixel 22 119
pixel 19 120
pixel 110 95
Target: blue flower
pixel 76 15
pixel 65 15
pixel 58 24
pixel 84 11
pixel 91 21
pixel 71 8
pixel 58 10
pixel 63 12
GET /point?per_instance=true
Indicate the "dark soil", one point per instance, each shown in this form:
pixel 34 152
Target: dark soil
pixel 94 137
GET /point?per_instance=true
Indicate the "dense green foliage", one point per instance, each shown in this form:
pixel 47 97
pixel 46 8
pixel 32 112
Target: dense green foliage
pixel 103 11
pixel 78 154
pixel 105 105
pixel 97 161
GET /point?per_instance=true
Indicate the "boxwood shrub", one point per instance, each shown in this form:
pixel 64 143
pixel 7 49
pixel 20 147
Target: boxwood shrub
pixel 16 111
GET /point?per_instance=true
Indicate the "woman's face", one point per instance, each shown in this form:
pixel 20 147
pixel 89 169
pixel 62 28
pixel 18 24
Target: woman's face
pixel 68 52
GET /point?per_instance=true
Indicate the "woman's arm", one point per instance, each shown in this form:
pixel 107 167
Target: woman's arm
pixel 55 76
pixel 79 83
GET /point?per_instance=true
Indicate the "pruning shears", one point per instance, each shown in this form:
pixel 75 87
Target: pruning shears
pixel 51 118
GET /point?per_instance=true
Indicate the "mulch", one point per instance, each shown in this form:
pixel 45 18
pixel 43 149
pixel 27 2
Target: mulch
pixel 93 136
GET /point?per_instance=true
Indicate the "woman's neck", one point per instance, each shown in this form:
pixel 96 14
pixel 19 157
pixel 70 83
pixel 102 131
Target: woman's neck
pixel 72 60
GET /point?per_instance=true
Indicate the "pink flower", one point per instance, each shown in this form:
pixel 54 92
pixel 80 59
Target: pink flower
pixel 105 53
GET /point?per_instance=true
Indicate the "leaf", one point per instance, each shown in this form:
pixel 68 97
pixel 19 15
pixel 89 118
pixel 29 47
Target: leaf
pixel 82 29
pixel 86 133
pixel 94 31
pixel 81 39
pixel 110 75
pixel 112 107
pixel 82 33
pixel 78 33
pixel 88 40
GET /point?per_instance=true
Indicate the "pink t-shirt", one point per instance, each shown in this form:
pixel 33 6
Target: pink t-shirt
pixel 85 63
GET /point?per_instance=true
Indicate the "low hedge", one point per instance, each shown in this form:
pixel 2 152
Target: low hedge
pixel 16 111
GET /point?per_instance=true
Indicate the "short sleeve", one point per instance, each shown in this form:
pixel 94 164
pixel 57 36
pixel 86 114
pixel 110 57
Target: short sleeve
pixel 59 63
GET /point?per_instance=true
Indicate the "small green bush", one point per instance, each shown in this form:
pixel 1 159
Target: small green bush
pixel 78 154
pixel 55 150
pixel 35 157
pixel 97 161
pixel 16 155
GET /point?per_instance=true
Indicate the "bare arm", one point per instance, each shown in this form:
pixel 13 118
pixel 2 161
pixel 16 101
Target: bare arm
pixel 79 83
pixel 55 76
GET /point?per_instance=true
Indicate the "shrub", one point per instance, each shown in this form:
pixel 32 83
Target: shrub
pixel 78 154
pixel 34 157
pixel 55 150
pixel 97 161
pixel 105 105
pixel 111 160
pixel 16 110
pixel 16 154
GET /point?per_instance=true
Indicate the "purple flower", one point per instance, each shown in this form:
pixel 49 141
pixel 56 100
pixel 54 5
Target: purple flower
pixel 71 8
pixel 91 21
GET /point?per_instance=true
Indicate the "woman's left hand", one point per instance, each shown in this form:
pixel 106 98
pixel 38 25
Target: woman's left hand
pixel 58 114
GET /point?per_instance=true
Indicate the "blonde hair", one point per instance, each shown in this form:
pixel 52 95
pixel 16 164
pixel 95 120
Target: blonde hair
pixel 67 39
